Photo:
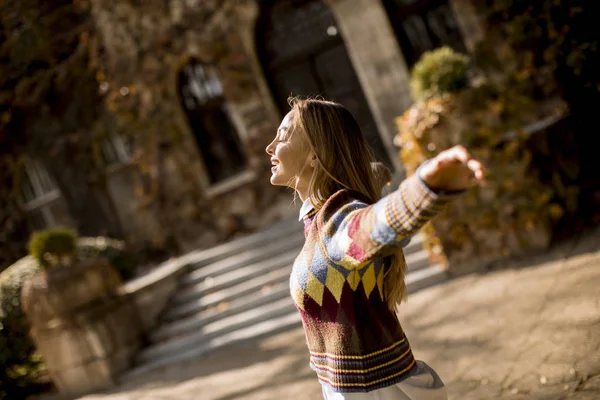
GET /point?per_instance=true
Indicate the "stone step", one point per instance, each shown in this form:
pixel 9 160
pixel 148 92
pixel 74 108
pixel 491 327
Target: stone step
pixel 259 253
pixel 259 321
pixel 263 296
pixel 263 329
pixel 247 279
pixel 425 277
pixel 200 258
pixel 284 229
pixel 211 285
pixel 196 321
pixel 225 295
pixel 217 328
pixel 416 260
pixel 242 274
pixel 230 264
pixel 250 292
pixel 415 245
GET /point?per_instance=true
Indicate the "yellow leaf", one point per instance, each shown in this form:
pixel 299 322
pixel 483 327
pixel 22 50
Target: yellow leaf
pixel 497 106
pixel 509 184
pixel 555 211
pixel 529 224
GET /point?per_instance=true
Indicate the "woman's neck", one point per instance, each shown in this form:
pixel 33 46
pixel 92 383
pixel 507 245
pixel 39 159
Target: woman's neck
pixel 303 195
pixel 302 190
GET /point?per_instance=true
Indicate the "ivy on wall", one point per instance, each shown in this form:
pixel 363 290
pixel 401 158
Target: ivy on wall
pixel 537 59
pixel 513 212
pixel 49 106
pixel 556 44
pixel 75 72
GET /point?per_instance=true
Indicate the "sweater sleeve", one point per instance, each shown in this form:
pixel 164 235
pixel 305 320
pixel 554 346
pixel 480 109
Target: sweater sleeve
pixel 356 233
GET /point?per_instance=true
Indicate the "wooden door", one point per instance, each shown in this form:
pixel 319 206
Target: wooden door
pixel 303 53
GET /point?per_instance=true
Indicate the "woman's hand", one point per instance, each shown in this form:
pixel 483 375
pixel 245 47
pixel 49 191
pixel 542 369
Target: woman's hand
pixel 452 170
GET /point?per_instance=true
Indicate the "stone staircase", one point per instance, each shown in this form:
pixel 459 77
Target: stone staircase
pixel 240 290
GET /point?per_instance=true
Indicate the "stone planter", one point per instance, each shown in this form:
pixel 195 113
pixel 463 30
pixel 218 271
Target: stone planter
pixel 86 334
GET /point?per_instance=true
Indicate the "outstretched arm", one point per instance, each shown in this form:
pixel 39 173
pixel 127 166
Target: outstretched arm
pixel 357 232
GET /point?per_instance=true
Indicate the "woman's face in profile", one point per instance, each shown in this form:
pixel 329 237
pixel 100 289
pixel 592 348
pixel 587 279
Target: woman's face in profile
pixel 289 155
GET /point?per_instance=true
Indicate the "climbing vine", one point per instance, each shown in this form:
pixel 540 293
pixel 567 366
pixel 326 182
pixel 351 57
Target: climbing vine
pixel 555 43
pixel 48 103
pixel 536 63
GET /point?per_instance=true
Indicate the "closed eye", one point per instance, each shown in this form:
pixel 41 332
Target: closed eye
pixel 282 134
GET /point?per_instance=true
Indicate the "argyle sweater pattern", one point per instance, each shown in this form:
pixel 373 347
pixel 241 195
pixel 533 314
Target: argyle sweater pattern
pixel 356 343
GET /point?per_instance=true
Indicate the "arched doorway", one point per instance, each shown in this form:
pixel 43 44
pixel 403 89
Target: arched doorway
pixel 302 53
pixel 423 25
pixel 202 99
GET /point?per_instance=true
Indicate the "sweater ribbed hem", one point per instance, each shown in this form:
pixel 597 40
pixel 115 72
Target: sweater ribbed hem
pixel 390 377
pixel 363 373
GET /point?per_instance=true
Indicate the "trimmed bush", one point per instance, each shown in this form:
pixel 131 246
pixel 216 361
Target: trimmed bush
pixel 52 246
pixel 113 250
pixel 437 72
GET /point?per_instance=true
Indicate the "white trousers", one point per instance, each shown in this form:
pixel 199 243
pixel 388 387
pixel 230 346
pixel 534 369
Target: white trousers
pixel 423 384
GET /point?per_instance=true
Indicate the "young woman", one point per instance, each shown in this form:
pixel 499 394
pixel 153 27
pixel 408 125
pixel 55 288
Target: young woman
pixel 349 276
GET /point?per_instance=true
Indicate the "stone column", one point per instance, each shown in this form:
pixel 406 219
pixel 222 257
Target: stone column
pixel 246 17
pixel 379 63
pixel 468 21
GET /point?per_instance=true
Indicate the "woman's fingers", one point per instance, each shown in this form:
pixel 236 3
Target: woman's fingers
pixel 459 154
pixel 462 154
pixel 455 169
pixel 454 155
pixel 477 168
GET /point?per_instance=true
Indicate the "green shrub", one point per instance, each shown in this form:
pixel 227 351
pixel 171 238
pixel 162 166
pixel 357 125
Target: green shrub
pixel 113 250
pixel 52 246
pixel 20 364
pixel 438 71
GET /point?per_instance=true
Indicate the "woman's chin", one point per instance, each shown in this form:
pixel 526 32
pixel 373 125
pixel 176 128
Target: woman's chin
pixel 275 180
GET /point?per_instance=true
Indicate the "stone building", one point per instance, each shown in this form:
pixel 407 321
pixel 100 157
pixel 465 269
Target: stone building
pixel 205 84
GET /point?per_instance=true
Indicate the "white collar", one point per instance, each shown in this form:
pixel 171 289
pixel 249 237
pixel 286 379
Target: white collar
pixel 306 208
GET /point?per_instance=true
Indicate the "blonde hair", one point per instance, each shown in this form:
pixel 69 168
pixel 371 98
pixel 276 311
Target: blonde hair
pixel 344 161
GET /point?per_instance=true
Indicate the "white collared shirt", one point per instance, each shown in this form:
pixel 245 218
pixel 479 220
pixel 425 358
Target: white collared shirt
pixel 306 208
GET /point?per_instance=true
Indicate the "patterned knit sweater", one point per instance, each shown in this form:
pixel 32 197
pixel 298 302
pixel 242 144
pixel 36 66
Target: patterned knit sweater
pixel 356 343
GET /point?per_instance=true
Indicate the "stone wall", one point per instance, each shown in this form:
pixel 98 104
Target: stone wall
pixel 143 48
pixel 151 292
pixel 145 45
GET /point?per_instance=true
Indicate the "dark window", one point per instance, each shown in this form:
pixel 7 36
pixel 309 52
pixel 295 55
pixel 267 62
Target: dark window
pixel 114 150
pixel 41 198
pixel 202 99
pixel 423 25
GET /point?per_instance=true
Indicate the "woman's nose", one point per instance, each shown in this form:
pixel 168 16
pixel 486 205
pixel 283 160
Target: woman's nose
pixel 269 149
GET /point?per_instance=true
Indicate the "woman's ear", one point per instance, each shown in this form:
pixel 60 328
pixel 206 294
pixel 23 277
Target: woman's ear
pixel 312 157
